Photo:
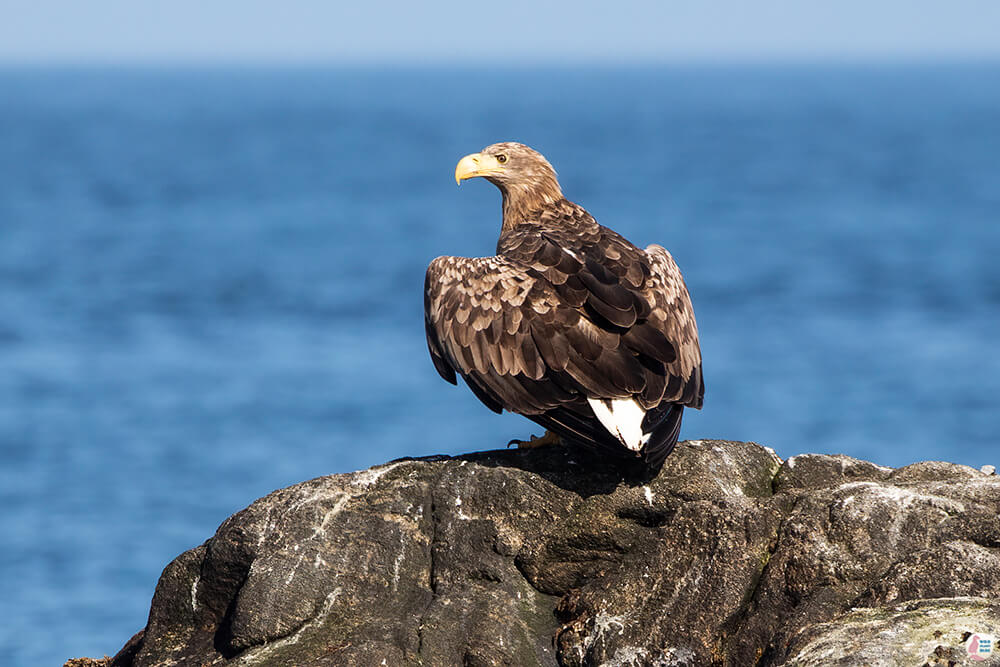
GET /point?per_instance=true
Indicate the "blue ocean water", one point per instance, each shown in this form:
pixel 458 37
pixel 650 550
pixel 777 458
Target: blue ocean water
pixel 210 283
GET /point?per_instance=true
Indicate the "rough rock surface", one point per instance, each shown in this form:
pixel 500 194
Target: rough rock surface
pixel 543 557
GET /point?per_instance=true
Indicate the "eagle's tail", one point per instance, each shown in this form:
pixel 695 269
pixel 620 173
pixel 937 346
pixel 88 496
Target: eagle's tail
pixel 664 436
pixel 581 426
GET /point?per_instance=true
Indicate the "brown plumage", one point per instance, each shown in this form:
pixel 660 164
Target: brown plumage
pixel 568 324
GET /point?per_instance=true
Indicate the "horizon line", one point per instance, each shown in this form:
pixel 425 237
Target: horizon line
pixel 729 61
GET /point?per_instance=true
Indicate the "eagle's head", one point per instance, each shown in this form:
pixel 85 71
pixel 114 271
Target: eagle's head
pixel 526 179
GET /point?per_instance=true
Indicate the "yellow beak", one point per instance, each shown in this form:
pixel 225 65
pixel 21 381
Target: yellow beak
pixel 477 164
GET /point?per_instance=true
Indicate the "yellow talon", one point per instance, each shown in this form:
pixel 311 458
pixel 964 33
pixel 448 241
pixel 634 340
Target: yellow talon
pixel 549 438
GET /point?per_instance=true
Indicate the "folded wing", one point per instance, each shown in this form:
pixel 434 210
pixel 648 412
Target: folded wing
pixel 552 322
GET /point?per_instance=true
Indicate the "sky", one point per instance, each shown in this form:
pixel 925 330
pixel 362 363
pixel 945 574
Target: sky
pixel 499 33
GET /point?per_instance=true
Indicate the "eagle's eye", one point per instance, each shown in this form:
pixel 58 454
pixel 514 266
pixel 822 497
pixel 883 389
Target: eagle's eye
pixel 501 158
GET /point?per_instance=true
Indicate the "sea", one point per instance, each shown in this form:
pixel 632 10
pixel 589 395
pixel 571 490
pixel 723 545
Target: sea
pixel 211 282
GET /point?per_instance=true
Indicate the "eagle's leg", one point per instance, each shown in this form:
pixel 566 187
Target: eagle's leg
pixel 549 438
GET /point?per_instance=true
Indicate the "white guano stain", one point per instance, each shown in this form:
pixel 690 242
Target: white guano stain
pixel 194 592
pixel 261 655
pixel 902 497
pixel 603 624
pixel 267 527
pixel 628 656
pixel 295 568
pixel 675 657
pixel 721 467
pixel 395 571
pixel 330 514
pixel 461 515
pixel 370 476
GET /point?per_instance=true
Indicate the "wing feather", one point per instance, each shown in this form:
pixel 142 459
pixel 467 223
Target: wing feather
pixel 673 316
pixel 552 347
pixel 616 317
pixel 615 295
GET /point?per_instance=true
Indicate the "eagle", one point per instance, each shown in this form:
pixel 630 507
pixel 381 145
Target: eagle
pixel 569 324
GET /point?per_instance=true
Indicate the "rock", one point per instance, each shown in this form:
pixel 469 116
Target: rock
pixel 551 556
pixel 921 632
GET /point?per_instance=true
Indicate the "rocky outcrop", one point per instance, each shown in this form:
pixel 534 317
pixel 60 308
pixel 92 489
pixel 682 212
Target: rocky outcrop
pixel 728 556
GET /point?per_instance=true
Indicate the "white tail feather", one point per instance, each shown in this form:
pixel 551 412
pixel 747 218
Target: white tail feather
pixel 623 419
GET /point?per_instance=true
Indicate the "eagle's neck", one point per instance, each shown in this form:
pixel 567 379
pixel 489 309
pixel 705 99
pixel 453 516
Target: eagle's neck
pixel 520 202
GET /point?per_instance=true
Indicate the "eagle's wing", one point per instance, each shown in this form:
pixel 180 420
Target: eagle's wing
pixel 673 315
pixel 516 341
pixel 532 335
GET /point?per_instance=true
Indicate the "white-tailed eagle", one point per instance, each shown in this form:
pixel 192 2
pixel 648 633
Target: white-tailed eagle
pixel 568 324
